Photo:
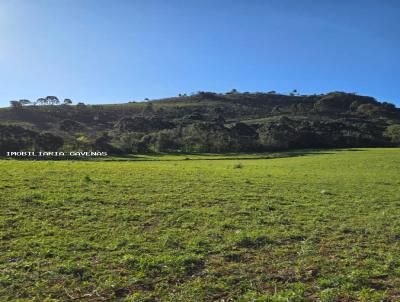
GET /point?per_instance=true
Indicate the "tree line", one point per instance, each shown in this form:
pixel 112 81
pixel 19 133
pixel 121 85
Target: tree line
pixel 48 100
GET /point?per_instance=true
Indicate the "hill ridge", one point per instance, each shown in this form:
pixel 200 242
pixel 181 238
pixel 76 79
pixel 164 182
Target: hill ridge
pixel 206 122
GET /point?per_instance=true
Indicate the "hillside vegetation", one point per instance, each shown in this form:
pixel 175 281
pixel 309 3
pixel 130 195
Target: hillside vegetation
pixel 312 227
pixel 204 122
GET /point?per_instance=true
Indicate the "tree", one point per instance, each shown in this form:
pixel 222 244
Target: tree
pixel 368 109
pixel 131 142
pixel 70 125
pixel 83 142
pixel 102 143
pixel 41 101
pixel 16 105
pixel 24 102
pixel 49 142
pixel 277 135
pixel 164 141
pixel 52 100
pixel 16 138
pixel 393 133
pixel 67 102
pixel 80 106
pixel 233 91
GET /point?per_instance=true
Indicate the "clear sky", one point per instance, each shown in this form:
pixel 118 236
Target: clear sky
pixel 110 51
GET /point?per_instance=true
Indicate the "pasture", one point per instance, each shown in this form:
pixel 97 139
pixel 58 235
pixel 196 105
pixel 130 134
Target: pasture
pixel 322 226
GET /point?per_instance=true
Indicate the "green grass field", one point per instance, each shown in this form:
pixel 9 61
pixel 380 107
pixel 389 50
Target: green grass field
pixel 322 226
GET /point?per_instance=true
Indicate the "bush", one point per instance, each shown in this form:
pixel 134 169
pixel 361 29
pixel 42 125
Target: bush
pixel 393 133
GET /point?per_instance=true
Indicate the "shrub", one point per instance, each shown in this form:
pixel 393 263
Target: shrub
pixel 393 133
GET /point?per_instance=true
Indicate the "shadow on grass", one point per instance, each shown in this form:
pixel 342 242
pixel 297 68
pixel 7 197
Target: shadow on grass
pixel 224 156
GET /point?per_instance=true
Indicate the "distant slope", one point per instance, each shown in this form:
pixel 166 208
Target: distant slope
pixel 212 112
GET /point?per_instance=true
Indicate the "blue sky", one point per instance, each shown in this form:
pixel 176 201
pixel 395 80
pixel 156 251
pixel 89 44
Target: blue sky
pixel 118 51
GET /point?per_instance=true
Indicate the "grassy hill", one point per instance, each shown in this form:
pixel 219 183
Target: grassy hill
pixel 312 227
pixel 209 122
pixel 234 107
